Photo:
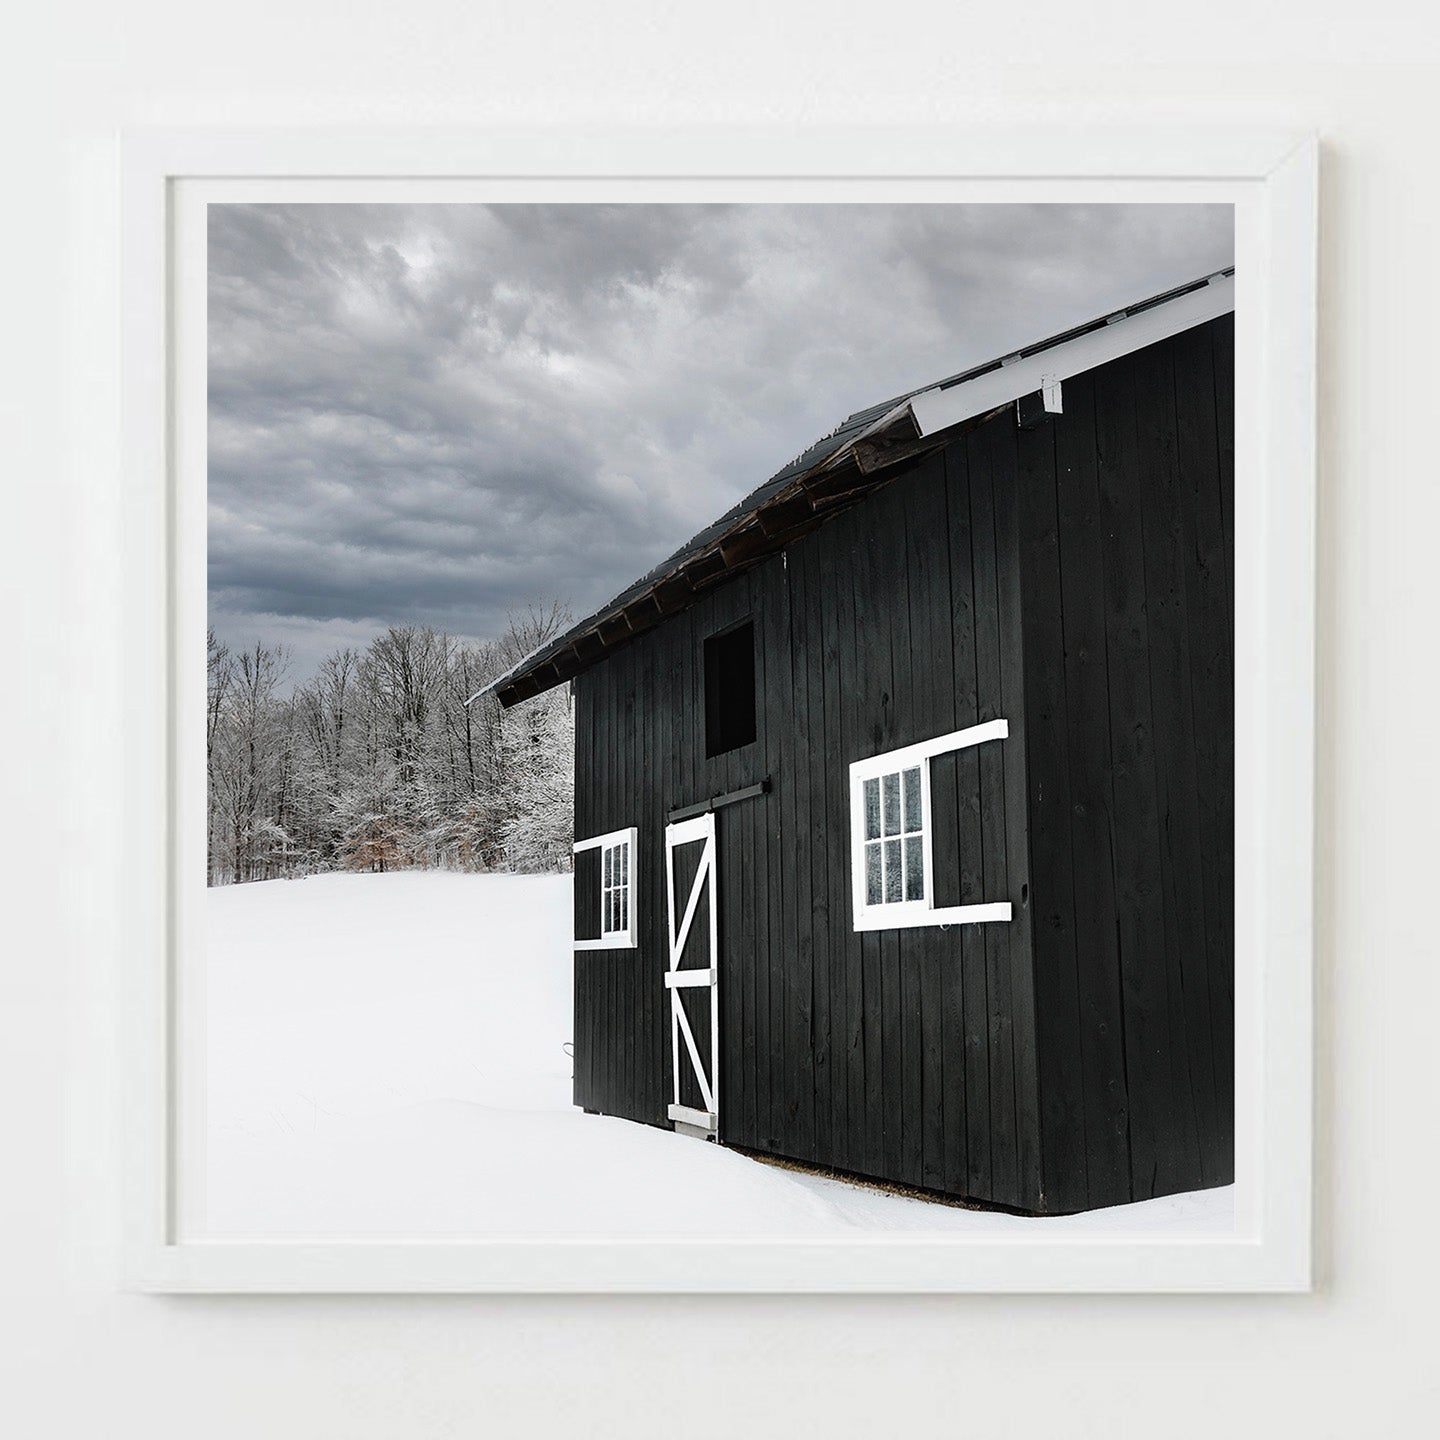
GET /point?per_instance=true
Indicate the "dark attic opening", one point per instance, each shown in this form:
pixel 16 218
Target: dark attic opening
pixel 730 689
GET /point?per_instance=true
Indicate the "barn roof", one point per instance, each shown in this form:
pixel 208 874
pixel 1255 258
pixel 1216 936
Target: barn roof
pixel 855 458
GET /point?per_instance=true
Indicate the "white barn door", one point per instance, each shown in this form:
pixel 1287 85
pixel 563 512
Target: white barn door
pixel 693 979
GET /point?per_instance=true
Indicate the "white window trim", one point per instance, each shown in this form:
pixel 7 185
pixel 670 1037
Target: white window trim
pixel 614 939
pixel 907 914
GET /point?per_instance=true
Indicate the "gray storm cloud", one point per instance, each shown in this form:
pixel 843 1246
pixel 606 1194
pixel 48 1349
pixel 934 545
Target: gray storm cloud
pixel 443 414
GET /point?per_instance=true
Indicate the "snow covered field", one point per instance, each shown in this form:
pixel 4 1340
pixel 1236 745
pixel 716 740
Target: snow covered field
pixel 384 1056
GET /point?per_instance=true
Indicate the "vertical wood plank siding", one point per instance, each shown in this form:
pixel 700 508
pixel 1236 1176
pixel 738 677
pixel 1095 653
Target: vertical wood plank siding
pixel 1074 580
pixel 1128 656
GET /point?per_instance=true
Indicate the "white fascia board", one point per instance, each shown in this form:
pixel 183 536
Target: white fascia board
pixel 940 409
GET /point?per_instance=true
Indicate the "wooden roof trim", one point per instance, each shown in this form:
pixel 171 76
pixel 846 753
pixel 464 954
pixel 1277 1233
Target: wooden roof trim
pixel 793 511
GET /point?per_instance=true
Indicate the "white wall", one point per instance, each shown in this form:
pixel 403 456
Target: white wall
pixel 77 1358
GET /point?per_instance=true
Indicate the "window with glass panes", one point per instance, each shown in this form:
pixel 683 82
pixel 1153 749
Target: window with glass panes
pixel 894 809
pixel 615 889
pixel 892 839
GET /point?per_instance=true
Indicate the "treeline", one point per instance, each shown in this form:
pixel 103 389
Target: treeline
pixel 378 764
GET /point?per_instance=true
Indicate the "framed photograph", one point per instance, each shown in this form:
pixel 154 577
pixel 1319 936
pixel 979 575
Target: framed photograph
pixel 591 834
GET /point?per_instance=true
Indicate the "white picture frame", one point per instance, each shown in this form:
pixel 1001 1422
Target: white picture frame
pixel 1270 177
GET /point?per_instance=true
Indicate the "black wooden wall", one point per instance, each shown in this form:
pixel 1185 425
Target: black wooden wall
pixel 1126 507
pixel 908 1056
pixel 1075 581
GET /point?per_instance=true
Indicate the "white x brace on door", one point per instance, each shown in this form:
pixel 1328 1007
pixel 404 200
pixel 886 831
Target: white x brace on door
pixel 693 979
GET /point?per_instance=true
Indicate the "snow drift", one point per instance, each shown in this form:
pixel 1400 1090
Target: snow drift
pixel 384 1056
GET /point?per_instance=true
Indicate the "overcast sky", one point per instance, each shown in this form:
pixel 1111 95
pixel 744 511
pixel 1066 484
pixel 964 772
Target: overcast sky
pixel 442 414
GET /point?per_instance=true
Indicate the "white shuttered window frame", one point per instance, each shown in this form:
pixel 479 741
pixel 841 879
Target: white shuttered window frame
pixel 892 860
pixel 618 887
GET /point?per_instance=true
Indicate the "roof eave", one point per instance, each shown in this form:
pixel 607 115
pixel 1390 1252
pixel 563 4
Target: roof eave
pixel 905 431
pixel 811 497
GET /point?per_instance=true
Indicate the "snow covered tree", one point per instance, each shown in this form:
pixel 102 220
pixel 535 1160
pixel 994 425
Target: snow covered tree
pixel 539 752
pixel 377 762
pixel 248 761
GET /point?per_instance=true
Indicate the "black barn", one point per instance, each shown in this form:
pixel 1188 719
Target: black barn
pixel 904 793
